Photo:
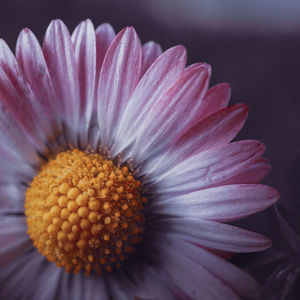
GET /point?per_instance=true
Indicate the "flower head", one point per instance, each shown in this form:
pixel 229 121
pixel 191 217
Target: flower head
pixel 117 168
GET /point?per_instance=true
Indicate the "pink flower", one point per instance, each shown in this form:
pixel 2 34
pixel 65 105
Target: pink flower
pixel 163 135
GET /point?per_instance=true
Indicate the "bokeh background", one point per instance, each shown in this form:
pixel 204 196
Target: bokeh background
pixel 254 45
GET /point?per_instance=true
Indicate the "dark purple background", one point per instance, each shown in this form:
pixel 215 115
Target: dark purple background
pixel 262 67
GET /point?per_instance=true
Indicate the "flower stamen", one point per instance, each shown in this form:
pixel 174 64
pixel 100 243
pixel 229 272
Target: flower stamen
pixel 84 212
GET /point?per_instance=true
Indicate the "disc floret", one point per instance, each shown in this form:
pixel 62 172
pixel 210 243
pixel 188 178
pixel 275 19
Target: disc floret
pixel 84 212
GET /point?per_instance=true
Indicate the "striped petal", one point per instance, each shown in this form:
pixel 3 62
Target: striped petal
pixel 224 203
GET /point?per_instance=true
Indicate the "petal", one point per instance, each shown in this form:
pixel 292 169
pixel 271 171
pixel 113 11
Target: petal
pixel 14 240
pixel 84 42
pixel 32 62
pixel 45 282
pixel 253 174
pixel 209 168
pixel 171 112
pixel 236 279
pixel 59 55
pixel 151 51
pixel 214 131
pixel 104 36
pixel 156 81
pixel 224 203
pixel 20 101
pixel 12 163
pixel 190 276
pixel 118 78
pixel 12 198
pixel 213 235
pixel 93 287
pixel 12 137
pixel 215 99
pixel 27 271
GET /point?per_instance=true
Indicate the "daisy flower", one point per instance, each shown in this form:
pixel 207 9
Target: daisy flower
pixel 117 175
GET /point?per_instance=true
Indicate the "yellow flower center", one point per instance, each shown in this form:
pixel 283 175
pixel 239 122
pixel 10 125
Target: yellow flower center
pixel 84 212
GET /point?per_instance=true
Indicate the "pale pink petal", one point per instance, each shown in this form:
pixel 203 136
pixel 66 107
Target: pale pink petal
pixel 13 138
pixel 14 240
pixel 145 280
pixel 166 70
pixel 190 276
pixel 32 62
pixel 212 235
pixel 239 281
pixel 25 272
pixel 215 99
pixel 93 286
pixel 18 98
pixel 224 203
pixel 59 55
pixel 104 36
pixel 47 282
pixel 12 198
pixel 209 168
pixel 119 76
pixel 253 174
pixel 84 42
pixel 151 51
pixel 214 131
pixel 171 112
pixel 196 66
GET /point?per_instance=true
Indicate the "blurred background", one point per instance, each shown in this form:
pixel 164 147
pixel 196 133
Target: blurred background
pixel 253 45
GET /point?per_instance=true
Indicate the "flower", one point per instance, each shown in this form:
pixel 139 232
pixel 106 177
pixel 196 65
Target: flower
pixel 121 155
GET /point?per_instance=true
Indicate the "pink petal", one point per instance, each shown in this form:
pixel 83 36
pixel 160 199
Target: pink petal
pixel 213 235
pixel 25 272
pixel 12 198
pixel 224 203
pixel 233 277
pixel 104 36
pixel 20 101
pixel 253 174
pixel 209 168
pixel 59 55
pixel 157 80
pixel 84 42
pixel 92 287
pixel 32 62
pixel 196 66
pixel 14 240
pixel 190 276
pixel 118 78
pixel 14 140
pixel 214 131
pixel 151 51
pixel 215 99
pixel 171 112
